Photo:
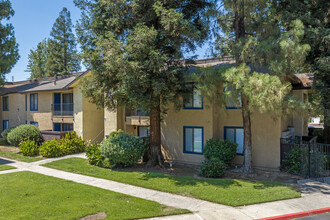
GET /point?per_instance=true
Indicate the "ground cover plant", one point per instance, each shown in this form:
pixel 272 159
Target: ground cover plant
pixel 232 192
pixel 27 195
pixel 6 167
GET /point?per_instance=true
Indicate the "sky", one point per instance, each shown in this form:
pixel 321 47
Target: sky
pixel 33 21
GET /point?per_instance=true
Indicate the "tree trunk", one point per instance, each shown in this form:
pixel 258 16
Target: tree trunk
pixel 156 157
pixel 247 166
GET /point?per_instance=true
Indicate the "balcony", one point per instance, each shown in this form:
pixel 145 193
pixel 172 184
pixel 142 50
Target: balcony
pixel 62 110
pixel 137 118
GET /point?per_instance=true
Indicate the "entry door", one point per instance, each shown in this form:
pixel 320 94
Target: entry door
pixel 57 103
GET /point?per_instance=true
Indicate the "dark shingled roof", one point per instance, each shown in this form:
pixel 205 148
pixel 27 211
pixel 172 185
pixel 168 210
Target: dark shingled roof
pixel 41 85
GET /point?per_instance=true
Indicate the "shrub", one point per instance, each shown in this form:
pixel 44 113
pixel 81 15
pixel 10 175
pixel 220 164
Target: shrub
pixel 94 155
pixel 213 167
pixel 122 149
pixel 50 148
pixel 71 144
pixel 224 150
pixel 29 148
pixel 23 133
pixel 5 132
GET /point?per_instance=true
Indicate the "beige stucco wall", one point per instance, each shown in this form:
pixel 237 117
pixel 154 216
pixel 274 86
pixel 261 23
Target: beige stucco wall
pixel 114 120
pixel 172 132
pixel 266 134
pixel 300 123
pixel 77 111
pixel 16 114
pixel 93 122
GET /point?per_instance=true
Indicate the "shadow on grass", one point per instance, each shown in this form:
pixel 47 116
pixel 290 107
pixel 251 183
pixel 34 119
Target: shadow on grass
pixel 4 162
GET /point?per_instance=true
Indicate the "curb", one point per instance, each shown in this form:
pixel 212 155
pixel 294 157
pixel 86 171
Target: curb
pixel 297 215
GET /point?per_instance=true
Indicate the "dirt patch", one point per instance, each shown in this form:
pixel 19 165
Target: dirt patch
pixel 9 148
pixel 100 215
pixel 184 170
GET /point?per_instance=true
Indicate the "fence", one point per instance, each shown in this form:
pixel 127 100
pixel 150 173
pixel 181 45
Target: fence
pixel 311 160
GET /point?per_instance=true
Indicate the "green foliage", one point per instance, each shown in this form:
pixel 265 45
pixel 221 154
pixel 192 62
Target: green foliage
pixel 213 168
pixel 51 148
pixel 224 150
pixel 298 159
pixel 320 135
pixel 70 144
pixel 38 59
pixel 29 148
pixel 5 132
pixel 23 133
pixel 9 47
pixel 94 155
pixel 122 149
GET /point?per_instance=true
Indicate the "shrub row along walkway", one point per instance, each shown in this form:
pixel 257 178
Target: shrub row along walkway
pixel 314 196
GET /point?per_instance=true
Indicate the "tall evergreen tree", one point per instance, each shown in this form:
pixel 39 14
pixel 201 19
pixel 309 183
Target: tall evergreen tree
pixel 133 49
pixel 63 58
pixel 8 46
pixel 315 17
pixel 265 54
pixel 38 59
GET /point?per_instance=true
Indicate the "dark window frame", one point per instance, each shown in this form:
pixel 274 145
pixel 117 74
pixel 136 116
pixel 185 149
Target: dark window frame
pixel 5 107
pixel 32 108
pixel 184 140
pixel 192 99
pixel 234 127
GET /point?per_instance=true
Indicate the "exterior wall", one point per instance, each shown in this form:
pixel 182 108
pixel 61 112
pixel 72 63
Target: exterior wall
pixel 93 122
pixel 172 132
pixel 16 114
pixel 77 111
pixel 43 115
pixel 113 121
pixel 266 134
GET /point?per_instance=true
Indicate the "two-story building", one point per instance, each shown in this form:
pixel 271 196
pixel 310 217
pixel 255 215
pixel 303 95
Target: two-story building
pixel 52 104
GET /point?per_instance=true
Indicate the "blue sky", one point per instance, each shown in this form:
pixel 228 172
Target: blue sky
pixel 33 21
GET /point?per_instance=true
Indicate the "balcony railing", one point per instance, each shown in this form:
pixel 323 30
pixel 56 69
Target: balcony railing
pixel 137 117
pixel 62 110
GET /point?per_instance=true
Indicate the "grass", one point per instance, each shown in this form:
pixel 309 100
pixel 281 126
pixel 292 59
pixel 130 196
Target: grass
pixel 231 192
pixel 18 156
pixel 27 195
pixel 6 167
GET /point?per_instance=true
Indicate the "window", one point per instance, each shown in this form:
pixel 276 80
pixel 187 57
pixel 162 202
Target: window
pixel 232 101
pixel 34 102
pixel 5 103
pixel 235 134
pixel 195 100
pixel 67 127
pixel 67 104
pixel 35 123
pixel 143 131
pixel 5 124
pixel 193 140
pixel 63 127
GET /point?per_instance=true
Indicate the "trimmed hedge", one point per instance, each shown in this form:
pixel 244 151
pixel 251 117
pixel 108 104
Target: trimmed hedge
pixel 224 150
pixel 5 132
pixel 213 167
pixel 122 149
pixel 23 133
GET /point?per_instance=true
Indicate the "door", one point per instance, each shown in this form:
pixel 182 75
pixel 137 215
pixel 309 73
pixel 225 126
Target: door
pixel 57 103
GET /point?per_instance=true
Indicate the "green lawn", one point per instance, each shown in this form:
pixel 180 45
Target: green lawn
pixel 231 192
pixel 18 156
pixel 27 195
pixel 6 167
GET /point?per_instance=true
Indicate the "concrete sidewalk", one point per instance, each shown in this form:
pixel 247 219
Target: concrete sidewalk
pixel 314 196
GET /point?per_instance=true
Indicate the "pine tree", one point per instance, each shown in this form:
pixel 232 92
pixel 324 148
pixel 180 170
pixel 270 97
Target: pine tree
pixel 133 49
pixel 63 58
pixel 315 17
pixel 265 54
pixel 8 46
pixel 37 60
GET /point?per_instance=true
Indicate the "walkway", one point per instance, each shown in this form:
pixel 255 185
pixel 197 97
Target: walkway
pixel 314 196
